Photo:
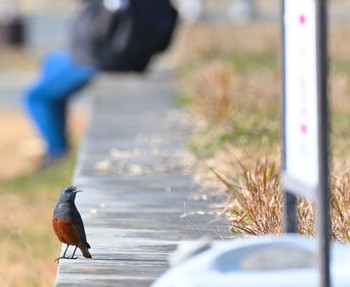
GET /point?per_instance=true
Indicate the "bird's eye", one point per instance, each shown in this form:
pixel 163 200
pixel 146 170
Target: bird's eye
pixel 70 189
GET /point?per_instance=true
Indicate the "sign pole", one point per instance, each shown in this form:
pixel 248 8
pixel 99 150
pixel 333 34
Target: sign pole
pixel 323 215
pixel 290 212
pixel 305 121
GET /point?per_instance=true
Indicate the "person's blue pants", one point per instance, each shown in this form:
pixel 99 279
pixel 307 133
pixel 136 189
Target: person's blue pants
pixel 46 100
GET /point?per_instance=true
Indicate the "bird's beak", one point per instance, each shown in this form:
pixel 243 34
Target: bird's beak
pixel 78 190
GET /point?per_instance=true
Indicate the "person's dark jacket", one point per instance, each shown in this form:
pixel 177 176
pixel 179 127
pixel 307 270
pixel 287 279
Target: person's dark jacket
pixel 124 40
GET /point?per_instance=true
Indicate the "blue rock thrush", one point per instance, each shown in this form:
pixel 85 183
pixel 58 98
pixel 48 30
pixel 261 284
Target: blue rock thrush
pixel 68 225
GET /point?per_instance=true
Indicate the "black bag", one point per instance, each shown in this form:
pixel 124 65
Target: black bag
pixel 126 39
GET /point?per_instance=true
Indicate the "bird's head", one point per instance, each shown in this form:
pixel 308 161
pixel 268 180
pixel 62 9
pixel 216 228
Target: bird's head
pixel 68 194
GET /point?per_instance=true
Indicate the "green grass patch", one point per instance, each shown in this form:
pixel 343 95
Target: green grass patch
pixel 248 62
pixel 183 99
pixel 241 60
pixel 339 65
pixel 32 186
pixel 245 131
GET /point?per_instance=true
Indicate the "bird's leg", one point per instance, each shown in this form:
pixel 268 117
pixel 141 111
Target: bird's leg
pixel 63 256
pixel 65 251
pixel 74 253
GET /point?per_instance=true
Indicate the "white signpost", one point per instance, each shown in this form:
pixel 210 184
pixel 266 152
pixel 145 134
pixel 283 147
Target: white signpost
pixel 301 97
pixel 305 112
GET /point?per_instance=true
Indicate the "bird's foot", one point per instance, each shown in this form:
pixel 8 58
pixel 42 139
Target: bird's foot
pixel 63 257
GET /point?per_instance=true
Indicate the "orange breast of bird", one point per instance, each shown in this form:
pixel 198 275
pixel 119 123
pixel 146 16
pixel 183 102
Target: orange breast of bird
pixel 66 231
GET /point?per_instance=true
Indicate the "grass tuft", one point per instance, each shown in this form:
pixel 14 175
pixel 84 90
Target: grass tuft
pixel 255 207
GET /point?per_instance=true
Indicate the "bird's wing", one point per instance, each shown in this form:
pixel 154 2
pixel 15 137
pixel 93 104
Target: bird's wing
pixel 78 222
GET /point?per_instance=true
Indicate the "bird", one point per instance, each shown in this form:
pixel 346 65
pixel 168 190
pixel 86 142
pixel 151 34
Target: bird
pixel 68 225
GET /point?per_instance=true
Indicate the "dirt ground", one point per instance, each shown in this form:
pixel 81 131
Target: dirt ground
pixel 20 146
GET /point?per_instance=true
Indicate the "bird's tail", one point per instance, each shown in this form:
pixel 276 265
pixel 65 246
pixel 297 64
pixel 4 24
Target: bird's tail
pixel 85 251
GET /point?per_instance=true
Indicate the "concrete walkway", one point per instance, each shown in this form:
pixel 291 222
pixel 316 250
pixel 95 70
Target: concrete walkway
pixel 138 201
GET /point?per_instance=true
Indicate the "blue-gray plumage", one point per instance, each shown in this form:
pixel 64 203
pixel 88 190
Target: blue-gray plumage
pixel 68 225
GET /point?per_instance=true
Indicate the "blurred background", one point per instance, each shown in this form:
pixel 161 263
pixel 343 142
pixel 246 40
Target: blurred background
pixel 29 29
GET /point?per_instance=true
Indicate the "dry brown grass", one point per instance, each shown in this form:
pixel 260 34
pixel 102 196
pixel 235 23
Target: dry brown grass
pixel 214 89
pixel 27 246
pixel 339 209
pixel 231 77
pixel 255 202
pixel 195 43
pixel 255 207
